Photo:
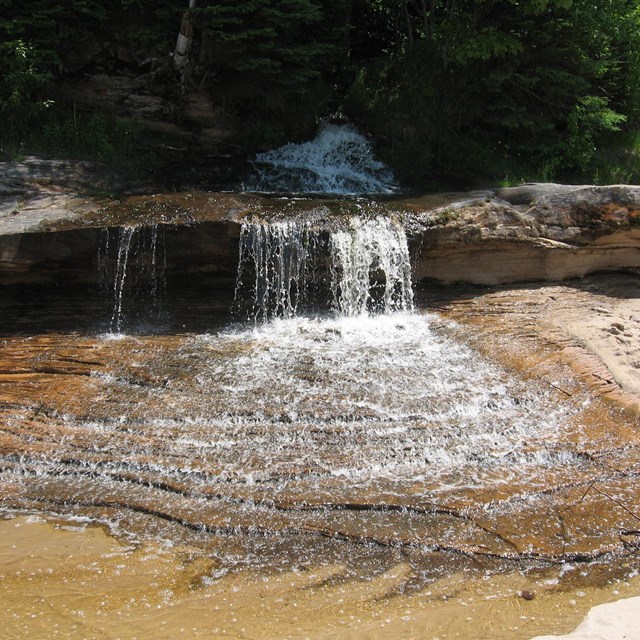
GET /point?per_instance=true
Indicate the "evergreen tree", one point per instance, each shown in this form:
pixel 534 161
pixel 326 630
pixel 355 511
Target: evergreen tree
pixel 536 88
pixel 482 87
pixel 261 46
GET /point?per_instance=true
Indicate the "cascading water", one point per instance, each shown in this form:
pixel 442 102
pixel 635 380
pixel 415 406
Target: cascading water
pixel 131 259
pixel 276 445
pixel 275 269
pixel 124 245
pixel 339 160
pixel 370 267
pixel 361 265
pixel 297 438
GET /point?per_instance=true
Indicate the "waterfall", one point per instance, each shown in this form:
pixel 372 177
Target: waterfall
pixel 131 264
pixel 370 268
pixel 124 245
pixel 276 268
pixel 286 268
pixel 339 160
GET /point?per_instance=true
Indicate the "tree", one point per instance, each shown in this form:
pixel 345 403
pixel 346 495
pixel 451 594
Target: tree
pixel 24 78
pixel 470 86
pixel 184 40
pixel 258 47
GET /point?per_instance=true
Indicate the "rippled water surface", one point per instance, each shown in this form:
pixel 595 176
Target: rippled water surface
pixel 287 440
pixel 367 399
pixel 333 424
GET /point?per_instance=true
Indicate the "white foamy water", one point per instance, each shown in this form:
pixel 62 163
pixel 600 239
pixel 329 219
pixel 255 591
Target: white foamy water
pixel 270 434
pixel 370 267
pixel 339 160
pixel 353 266
pixel 276 268
pixel 317 407
pixel 370 398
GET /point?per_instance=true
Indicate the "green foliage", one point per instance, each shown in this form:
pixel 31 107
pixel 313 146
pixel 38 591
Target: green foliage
pixel 590 117
pixel 41 41
pixel 533 89
pixel 23 80
pixel 452 90
pixel 258 48
pixel 114 141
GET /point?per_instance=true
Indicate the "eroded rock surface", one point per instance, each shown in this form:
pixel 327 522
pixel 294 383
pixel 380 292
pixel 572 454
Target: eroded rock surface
pixel 529 233
pixel 119 428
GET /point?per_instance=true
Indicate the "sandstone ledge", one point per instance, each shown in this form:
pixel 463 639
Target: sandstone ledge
pixel 52 213
pixel 538 232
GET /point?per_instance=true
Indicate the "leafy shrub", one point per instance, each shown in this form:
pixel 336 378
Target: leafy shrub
pixel 21 91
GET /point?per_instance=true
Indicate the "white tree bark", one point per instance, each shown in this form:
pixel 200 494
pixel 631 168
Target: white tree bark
pixel 185 38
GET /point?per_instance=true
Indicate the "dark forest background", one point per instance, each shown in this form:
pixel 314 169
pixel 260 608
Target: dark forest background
pixel 449 90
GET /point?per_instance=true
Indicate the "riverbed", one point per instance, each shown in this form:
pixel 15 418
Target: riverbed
pixel 520 552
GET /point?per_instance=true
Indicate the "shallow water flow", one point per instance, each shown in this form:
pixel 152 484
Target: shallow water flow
pixel 296 432
pixel 352 266
pixel 333 424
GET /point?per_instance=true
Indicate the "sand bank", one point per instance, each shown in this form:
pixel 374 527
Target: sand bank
pixel 66 581
pixel 612 621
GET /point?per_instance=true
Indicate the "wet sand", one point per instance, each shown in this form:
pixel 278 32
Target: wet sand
pixel 60 580
pixel 611 331
pixel 65 580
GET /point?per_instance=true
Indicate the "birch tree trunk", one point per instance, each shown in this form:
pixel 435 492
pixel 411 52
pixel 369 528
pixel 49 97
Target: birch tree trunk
pixel 184 41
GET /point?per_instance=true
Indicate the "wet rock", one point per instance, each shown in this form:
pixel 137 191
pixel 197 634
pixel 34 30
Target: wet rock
pixel 528 194
pixel 80 406
pixel 530 233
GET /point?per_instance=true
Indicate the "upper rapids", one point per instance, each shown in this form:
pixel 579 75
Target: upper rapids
pixel 338 161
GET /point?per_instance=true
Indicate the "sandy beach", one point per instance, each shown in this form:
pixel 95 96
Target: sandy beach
pixel 612 621
pixel 61 579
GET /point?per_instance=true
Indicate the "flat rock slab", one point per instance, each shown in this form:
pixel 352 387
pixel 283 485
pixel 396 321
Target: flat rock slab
pixel 75 407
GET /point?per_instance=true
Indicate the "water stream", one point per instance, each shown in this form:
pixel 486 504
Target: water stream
pixel 339 160
pixel 324 419
pixel 332 412
pixel 351 266
pixel 131 264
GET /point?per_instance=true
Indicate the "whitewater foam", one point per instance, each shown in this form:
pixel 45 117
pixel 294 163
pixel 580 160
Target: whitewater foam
pixel 354 266
pixel 339 160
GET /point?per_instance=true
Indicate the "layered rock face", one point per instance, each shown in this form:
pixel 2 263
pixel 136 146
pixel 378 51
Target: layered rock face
pixel 51 224
pixel 538 232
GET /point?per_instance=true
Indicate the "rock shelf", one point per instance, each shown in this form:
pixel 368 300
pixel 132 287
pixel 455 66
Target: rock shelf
pixel 50 224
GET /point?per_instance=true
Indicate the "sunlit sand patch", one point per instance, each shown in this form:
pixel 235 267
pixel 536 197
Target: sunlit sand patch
pixel 68 580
